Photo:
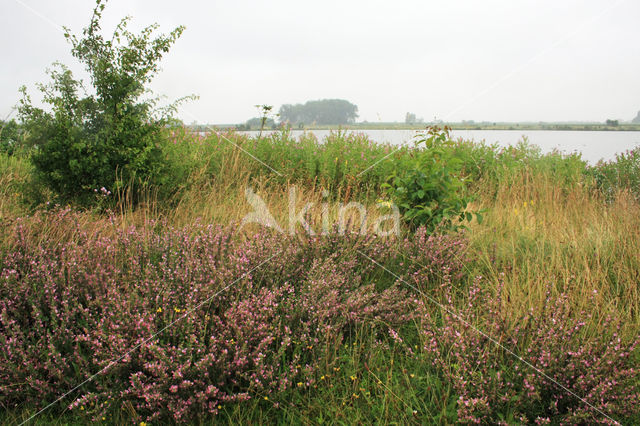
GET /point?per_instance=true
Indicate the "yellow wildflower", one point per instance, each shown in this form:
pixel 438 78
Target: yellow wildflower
pixel 159 310
pixel 353 378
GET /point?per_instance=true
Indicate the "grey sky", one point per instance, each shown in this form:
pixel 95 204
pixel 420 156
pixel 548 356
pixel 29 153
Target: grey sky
pixel 481 60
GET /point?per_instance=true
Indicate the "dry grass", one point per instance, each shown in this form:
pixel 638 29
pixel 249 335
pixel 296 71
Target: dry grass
pixel 538 234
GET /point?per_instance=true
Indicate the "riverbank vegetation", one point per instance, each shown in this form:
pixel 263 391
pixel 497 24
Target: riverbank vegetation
pixel 325 327
pixel 134 291
pixel 469 125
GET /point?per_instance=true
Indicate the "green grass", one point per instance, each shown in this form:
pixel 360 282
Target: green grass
pixel 547 221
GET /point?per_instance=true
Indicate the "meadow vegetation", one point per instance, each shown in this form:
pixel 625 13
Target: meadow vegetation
pixel 131 292
pixel 270 327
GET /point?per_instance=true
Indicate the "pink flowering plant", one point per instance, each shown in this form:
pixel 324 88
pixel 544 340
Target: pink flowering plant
pixel 577 379
pixel 90 308
pixel 174 325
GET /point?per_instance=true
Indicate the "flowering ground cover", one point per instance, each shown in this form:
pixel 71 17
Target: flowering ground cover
pixel 168 310
pixel 177 325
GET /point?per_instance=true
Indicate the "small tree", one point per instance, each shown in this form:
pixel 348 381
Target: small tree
pixel 10 135
pixel 110 137
pixel 410 118
pixel 428 187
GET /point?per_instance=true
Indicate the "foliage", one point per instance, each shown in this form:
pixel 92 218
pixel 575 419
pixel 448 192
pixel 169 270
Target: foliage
pixel 257 123
pixel 10 136
pixel 333 162
pixel 623 173
pixel 89 287
pixel 494 386
pixel 111 137
pixel 320 112
pixel 411 118
pixel 249 319
pixel 429 188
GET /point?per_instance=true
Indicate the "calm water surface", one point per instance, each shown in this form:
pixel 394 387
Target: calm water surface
pixel 592 145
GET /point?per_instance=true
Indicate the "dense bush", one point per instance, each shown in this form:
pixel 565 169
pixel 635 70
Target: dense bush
pixel 112 137
pixel 623 173
pixel 10 137
pixel 428 187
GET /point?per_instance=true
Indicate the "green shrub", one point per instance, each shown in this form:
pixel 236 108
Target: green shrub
pixel 112 137
pixel 9 137
pixel 623 173
pixel 428 187
pixel 488 166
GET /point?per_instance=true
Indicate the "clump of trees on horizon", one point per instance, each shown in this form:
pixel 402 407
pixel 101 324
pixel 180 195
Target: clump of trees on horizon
pixel 320 112
pixel 411 118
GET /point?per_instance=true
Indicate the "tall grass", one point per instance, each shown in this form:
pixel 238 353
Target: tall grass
pixel 552 270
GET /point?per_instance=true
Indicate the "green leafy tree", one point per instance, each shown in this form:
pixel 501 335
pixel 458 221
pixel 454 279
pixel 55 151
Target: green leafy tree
pixel 322 112
pixel 10 136
pixel 257 123
pixel 428 188
pixel 410 118
pixel 112 136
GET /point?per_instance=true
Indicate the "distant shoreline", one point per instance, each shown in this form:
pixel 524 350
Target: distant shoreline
pixel 588 127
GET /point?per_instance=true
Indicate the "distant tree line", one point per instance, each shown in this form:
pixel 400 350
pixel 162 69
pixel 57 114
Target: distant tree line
pixel 320 112
pixel 256 123
pixel 411 118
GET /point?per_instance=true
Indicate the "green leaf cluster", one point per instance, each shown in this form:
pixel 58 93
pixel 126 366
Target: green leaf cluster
pixel 111 135
pixel 428 186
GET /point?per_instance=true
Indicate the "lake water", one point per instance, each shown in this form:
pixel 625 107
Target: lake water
pixel 592 145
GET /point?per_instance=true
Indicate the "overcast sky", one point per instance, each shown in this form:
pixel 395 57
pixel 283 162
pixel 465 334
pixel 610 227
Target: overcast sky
pixel 454 60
